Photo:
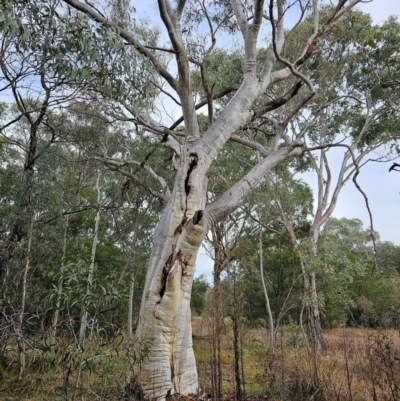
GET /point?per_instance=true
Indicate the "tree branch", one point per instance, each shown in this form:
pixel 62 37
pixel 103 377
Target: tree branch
pixel 218 95
pixel 128 37
pixel 276 103
pixel 115 166
pixel 233 197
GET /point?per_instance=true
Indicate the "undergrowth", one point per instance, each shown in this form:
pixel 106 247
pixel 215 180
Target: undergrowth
pixel 359 365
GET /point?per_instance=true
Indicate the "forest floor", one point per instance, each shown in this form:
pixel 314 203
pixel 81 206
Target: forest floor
pixel 359 365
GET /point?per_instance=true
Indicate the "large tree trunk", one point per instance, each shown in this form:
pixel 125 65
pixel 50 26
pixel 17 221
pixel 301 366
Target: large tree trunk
pixel 165 316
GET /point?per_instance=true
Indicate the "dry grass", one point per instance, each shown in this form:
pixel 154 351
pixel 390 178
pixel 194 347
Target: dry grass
pixel 360 365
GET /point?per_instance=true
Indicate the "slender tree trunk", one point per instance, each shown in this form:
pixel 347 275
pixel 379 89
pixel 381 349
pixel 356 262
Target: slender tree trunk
pixel 217 322
pixel 18 231
pixel 236 341
pixel 268 306
pixel 314 329
pixel 84 317
pixel 20 331
pixel 132 285
pixel 130 307
pixel 60 288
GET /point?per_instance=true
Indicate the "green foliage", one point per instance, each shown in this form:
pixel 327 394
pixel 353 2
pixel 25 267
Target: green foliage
pixel 76 51
pixel 198 299
pixel 354 291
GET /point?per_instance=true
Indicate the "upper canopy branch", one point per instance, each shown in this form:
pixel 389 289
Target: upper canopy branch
pixel 218 95
pixel 88 10
pixel 278 102
pixel 171 21
pixel 318 32
pixel 240 16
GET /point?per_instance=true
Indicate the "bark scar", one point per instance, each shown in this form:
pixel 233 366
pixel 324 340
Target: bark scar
pixel 197 216
pixel 165 271
pixel 179 229
pixel 193 163
pixel 172 372
pixel 173 257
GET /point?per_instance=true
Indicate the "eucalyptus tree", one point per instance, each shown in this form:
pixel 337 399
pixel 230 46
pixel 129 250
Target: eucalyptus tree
pixel 187 217
pixel 43 71
pixel 29 127
pixel 369 293
pixel 277 266
pixel 350 118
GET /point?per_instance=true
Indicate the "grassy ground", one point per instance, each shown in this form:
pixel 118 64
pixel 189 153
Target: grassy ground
pixel 359 365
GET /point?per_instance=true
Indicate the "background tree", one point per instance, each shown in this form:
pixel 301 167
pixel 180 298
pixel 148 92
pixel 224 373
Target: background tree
pixel 350 116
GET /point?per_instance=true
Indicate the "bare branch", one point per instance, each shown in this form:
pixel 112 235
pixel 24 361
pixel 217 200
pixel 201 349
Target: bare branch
pixel 184 88
pixel 258 15
pixel 166 93
pixel 252 145
pixel 180 7
pixel 276 103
